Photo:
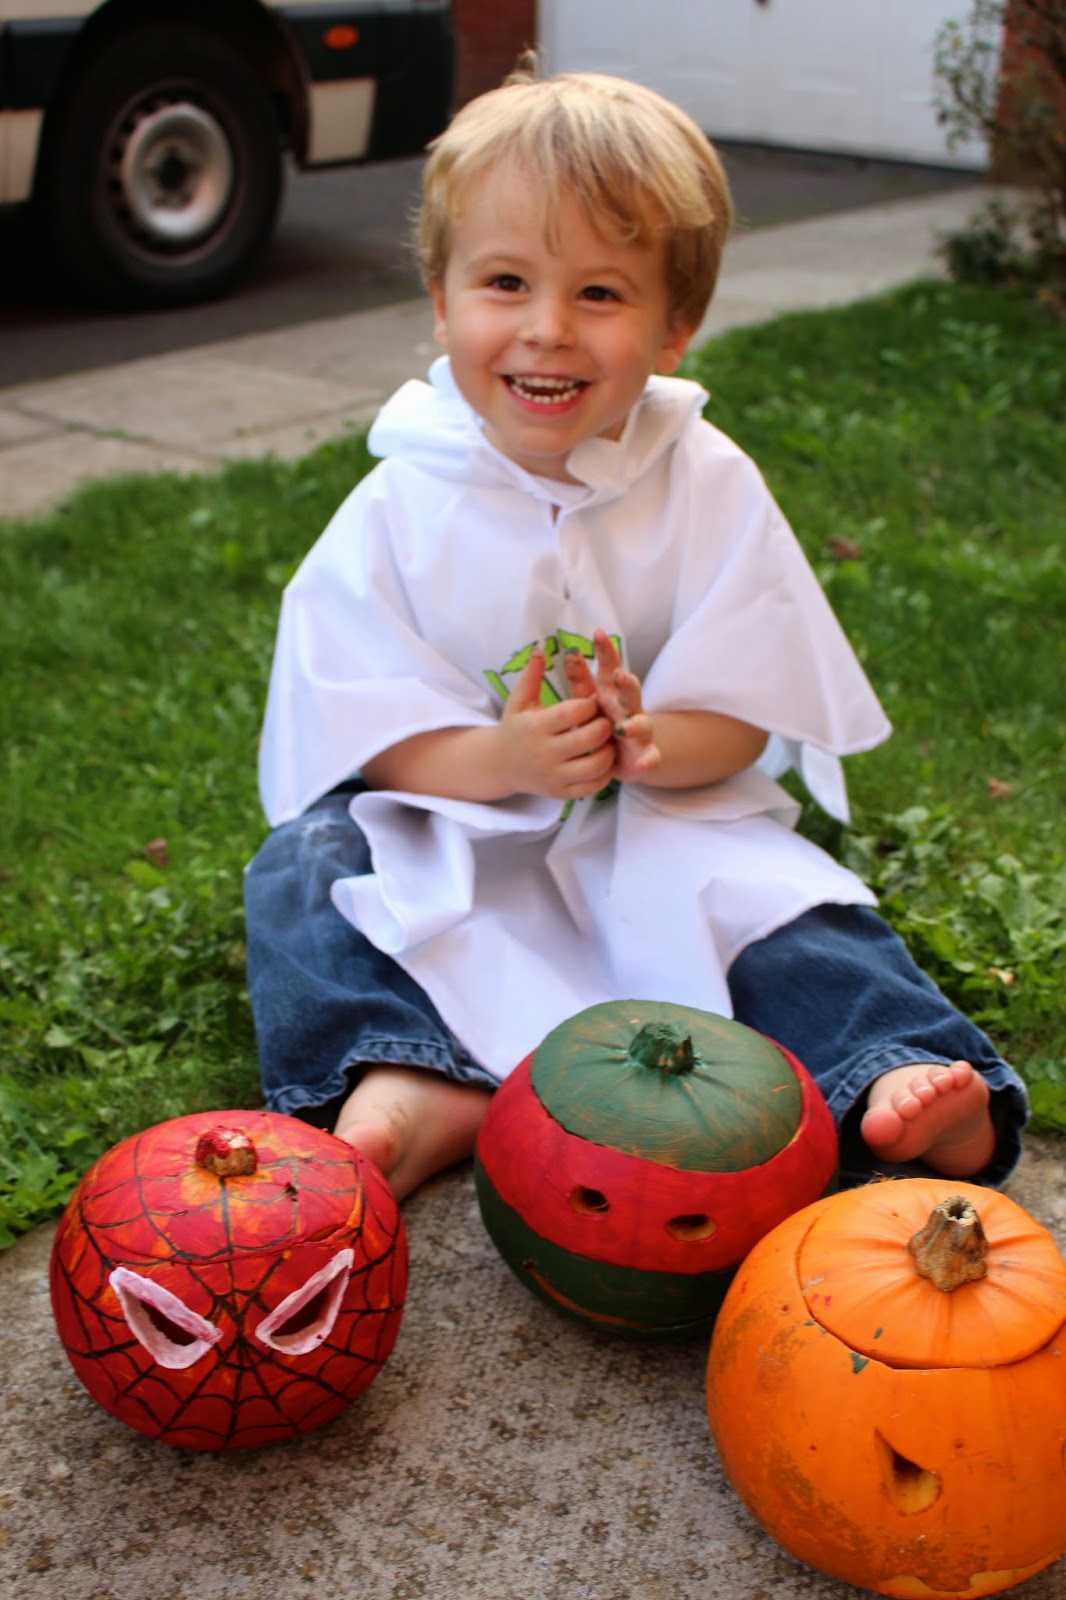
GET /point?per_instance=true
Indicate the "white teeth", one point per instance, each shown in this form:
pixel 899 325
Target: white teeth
pixel 546 391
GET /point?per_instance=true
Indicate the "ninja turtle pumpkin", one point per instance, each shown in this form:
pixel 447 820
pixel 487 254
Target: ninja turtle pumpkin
pixel 229 1279
pixel 628 1165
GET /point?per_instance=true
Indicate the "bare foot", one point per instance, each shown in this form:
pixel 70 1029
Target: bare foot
pixel 934 1113
pixel 411 1122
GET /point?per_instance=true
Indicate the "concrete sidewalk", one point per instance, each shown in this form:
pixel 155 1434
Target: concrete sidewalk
pixel 286 392
pixel 504 1453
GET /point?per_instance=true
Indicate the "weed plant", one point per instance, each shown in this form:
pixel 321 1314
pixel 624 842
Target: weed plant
pixel 915 442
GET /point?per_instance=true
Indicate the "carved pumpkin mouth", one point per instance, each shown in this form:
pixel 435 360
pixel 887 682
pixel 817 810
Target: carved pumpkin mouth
pixel 605 1319
pixel 571 1305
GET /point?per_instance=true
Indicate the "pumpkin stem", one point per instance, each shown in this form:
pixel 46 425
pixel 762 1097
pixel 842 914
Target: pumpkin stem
pixel 662 1047
pixel 951 1248
pixel 227 1153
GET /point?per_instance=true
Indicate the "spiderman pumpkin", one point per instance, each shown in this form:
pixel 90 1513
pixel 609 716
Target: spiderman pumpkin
pixel 229 1279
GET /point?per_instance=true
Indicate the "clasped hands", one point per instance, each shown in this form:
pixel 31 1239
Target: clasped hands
pixel 573 748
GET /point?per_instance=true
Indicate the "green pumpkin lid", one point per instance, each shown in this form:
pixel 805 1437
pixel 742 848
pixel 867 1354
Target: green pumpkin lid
pixel 673 1085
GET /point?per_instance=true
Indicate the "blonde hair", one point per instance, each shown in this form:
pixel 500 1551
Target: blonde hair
pixel 638 165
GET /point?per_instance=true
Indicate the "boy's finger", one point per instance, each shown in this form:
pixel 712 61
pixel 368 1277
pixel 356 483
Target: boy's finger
pixel 583 715
pixel 607 658
pixel 526 691
pixel 625 690
pixel 578 674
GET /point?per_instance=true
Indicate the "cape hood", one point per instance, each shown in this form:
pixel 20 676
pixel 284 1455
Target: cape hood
pixel 430 426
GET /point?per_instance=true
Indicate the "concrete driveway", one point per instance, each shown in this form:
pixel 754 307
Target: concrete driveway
pixel 504 1453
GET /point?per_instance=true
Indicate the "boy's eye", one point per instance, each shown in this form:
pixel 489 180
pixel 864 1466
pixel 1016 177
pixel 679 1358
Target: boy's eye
pixel 598 291
pixel 510 282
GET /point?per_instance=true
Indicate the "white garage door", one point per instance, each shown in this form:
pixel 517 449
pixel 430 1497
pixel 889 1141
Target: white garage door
pixel 837 75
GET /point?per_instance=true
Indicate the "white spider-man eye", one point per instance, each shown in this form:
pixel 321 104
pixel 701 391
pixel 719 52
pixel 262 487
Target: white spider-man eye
pixel 305 1318
pixel 173 1335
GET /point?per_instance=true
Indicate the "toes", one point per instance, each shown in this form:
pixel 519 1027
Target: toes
pixel 949 1079
pixel 911 1100
pixel 881 1125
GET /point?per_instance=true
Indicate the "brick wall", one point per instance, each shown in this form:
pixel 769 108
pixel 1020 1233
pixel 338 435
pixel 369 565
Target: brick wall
pixel 490 35
pixel 1032 70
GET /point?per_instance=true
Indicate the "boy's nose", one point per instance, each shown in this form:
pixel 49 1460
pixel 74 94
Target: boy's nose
pixel 548 322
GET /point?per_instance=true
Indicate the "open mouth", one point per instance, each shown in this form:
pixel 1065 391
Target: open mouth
pixel 545 391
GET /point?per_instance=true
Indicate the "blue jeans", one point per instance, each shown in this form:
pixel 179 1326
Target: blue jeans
pixel 836 986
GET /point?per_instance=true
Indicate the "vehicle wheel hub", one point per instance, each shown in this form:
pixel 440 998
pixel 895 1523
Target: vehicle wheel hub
pixel 173 174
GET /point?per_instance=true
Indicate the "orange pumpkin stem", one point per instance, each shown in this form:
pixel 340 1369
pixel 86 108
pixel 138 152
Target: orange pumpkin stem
pixel 226 1152
pixel 952 1247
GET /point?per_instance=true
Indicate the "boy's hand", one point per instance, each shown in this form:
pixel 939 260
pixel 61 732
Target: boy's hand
pixel 618 696
pixel 565 750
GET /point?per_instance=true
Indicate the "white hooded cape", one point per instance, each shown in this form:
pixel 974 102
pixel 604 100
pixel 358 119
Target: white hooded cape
pixel 416 609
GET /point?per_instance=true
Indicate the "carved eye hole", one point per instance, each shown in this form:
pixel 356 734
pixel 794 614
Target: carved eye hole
pixel 173 1335
pixel 694 1227
pixel 589 1202
pixel 305 1318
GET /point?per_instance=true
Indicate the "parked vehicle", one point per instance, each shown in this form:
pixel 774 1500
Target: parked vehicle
pixel 150 135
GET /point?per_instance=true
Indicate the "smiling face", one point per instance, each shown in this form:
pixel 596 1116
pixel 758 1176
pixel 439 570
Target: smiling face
pixel 627 1166
pixel 551 339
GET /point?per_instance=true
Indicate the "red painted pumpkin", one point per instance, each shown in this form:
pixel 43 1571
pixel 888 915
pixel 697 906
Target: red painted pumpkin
pixel 229 1279
pixel 886 1387
pixel 626 1167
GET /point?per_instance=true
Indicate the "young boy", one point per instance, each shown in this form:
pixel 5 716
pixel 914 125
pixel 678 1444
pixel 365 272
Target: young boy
pixel 537 826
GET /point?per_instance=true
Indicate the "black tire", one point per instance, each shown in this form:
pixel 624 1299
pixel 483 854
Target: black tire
pixel 162 171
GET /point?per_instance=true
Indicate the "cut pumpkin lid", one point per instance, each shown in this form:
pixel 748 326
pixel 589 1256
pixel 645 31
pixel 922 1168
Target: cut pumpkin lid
pixel 675 1085
pixel 862 1282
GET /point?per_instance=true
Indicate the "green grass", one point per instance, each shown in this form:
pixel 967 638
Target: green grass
pixel 924 429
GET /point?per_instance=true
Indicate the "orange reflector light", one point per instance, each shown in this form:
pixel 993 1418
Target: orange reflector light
pixel 340 38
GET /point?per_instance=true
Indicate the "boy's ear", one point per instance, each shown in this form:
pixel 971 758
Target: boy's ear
pixel 440 320
pixel 673 347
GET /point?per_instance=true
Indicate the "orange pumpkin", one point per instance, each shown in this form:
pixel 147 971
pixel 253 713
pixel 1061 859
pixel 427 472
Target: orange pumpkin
pixel 886 1389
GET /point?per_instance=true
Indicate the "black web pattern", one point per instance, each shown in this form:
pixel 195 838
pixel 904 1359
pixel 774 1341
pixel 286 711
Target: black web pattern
pixel 239 1393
